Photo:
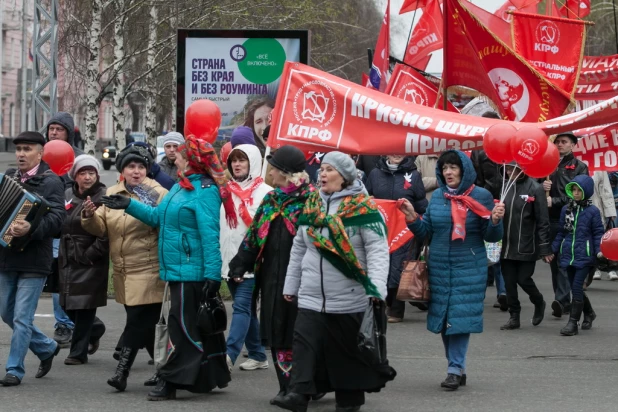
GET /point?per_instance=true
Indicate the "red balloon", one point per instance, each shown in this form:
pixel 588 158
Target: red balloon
pixel 202 120
pixel 59 155
pixel 225 152
pixel 609 244
pixel 495 142
pixel 529 145
pixel 546 165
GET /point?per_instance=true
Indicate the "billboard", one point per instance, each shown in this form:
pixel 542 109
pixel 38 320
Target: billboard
pixel 239 70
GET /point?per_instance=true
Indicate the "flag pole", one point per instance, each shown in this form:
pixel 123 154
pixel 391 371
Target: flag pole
pixel 615 25
pixel 445 60
pixel 548 5
pixel 405 49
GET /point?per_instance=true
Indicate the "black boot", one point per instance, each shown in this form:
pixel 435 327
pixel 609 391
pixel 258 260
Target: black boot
pixel 162 392
pixel 152 381
pixel 576 312
pixel 293 402
pixel 589 315
pixel 539 313
pixel 119 380
pixel 284 382
pixel 512 323
pixel 347 408
pixel 452 382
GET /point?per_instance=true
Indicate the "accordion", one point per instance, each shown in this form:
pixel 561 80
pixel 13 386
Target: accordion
pixel 17 204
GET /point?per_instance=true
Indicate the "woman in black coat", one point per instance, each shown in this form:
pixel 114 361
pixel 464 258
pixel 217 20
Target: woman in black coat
pixel 83 263
pixel 396 177
pixel 266 250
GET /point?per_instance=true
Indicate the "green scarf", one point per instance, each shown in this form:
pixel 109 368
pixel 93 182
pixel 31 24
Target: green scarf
pixel 358 210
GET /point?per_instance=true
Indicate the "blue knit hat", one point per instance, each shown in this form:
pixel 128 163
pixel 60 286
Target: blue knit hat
pixel 242 135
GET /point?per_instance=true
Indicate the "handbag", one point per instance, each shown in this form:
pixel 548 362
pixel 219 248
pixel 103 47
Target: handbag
pixel 162 334
pixel 414 283
pixel 493 252
pixel 211 315
pixel 372 333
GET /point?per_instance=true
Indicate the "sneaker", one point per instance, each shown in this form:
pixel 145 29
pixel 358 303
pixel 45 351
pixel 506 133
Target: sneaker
pixel 252 364
pixel 597 275
pixel 612 275
pixel 228 360
pixel 63 335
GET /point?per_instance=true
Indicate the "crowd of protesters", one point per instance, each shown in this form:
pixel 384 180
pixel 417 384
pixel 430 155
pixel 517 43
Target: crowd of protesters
pixel 304 253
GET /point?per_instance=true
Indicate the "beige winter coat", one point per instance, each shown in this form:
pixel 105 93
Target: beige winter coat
pixel 133 249
pixel 603 197
pixel 426 166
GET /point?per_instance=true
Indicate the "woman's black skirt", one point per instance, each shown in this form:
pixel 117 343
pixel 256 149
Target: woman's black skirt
pixel 196 363
pixel 139 332
pixel 326 355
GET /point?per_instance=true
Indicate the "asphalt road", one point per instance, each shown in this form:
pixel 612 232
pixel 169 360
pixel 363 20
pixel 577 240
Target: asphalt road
pixel 531 369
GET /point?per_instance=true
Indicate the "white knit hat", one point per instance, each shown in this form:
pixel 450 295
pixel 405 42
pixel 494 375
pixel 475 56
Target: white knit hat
pixel 173 137
pixel 82 161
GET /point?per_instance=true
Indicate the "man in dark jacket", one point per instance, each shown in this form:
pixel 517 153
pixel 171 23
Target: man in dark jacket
pixel 23 272
pixel 526 238
pixel 568 168
pixel 62 127
pixel 171 141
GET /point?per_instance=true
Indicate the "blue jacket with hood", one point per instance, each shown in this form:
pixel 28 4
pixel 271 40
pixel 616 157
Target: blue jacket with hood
pixel 457 268
pixel 579 247
pixel 188 222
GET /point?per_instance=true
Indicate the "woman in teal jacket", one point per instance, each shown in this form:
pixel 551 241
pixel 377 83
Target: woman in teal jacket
pixel 190 260
pixel 459 218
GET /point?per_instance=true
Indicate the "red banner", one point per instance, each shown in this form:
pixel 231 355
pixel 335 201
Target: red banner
pixel 554 46
pixel 319 112
pixel 398 232
pixel 478 59
pixel 598 147
pixel 598 78
pixel 427 35
pixel 411 86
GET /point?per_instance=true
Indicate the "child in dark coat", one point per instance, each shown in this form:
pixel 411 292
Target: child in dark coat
pixel 578 243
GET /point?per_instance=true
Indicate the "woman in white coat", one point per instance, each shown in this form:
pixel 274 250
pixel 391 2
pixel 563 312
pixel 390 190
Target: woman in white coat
pixel 248 189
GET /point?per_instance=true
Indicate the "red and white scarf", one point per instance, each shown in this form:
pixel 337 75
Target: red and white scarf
pixel 460 204
pixel 245 196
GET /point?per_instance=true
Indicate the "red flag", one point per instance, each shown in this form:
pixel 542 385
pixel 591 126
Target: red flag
pixel 379 67
pixel 411 5
pixel 427 35
pixel 553 45
pixel 554 9
pixel 476 58
pixel 575 9
pixel 398 232
pixel 492 22
pixel 365 81
pixel 526 6
pixel 409 85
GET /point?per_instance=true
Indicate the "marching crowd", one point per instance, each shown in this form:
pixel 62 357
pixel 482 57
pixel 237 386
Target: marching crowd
pixel 303 252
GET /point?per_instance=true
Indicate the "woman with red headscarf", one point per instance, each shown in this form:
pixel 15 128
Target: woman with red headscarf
pixel 188 222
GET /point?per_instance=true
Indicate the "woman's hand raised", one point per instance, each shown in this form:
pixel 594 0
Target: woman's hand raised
pixel 408 210
pixel 89 208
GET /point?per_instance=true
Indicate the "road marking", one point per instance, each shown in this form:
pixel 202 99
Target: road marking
pixel 43 315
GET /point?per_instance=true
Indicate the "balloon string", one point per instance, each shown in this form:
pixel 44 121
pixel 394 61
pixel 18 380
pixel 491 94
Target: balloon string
pixel 510 184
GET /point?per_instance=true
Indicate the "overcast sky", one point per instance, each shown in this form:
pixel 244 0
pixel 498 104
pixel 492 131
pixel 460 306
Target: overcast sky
pixel 400 29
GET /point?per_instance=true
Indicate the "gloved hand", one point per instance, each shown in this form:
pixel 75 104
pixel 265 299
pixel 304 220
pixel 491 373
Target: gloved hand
pixel 116 201
pixel 236 272
pixel 211 287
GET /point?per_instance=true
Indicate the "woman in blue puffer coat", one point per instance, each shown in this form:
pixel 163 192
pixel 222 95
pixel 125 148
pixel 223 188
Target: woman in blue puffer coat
pixel 459 218
pixel 190 260
pixel 578 243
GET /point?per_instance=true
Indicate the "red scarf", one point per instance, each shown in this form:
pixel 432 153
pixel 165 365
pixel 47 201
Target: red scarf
pixel 245 197
pixel 460 204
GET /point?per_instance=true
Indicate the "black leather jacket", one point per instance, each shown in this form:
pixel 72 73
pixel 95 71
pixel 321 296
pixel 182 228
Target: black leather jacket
pixel 568 168
pixel 526 222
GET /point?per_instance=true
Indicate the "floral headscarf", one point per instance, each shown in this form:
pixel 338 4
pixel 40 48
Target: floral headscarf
pixel 203 160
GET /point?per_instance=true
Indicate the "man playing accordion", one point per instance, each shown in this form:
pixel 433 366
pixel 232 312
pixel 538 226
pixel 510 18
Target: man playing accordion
pixel 23 271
